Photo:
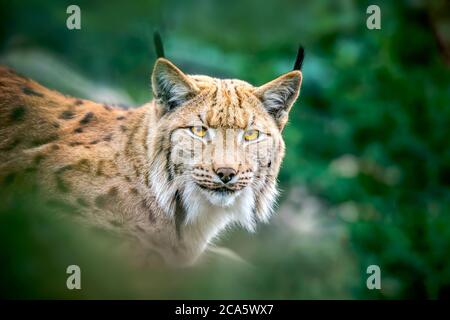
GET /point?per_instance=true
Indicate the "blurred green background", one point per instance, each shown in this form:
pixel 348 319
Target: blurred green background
pixel 366 178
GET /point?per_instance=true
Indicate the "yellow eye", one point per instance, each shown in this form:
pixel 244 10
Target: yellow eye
pixel 251 135
pixel 199 131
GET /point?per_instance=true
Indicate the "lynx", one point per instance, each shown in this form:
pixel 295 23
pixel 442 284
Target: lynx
pixel 202 155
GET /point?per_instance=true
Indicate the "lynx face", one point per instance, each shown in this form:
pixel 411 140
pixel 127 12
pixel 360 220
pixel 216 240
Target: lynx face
pixel 220 140
pixel 223 158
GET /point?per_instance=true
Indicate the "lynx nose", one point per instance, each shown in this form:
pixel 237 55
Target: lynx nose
pixel 225 174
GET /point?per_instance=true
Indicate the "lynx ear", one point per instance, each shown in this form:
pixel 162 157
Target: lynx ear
pixel 279 95
pixel 171 87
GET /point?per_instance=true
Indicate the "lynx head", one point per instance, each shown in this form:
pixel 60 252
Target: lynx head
pixel 218 143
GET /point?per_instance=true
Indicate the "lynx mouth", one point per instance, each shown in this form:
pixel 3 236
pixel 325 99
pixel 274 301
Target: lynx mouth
pixel 219 190
pixel 221 196
pixel 223 190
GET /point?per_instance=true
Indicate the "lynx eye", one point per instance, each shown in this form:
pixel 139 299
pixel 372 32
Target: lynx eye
pixel 250 135
pixel 199 131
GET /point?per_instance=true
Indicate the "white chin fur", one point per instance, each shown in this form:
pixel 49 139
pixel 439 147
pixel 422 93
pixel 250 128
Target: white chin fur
pixel 220 199
pixel 233 208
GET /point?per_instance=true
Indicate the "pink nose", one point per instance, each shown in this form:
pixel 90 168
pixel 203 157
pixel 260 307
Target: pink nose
pixel 226 174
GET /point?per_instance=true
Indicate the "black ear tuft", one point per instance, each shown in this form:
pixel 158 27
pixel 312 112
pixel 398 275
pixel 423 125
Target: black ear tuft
pixel 299 60
pixel 159 48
